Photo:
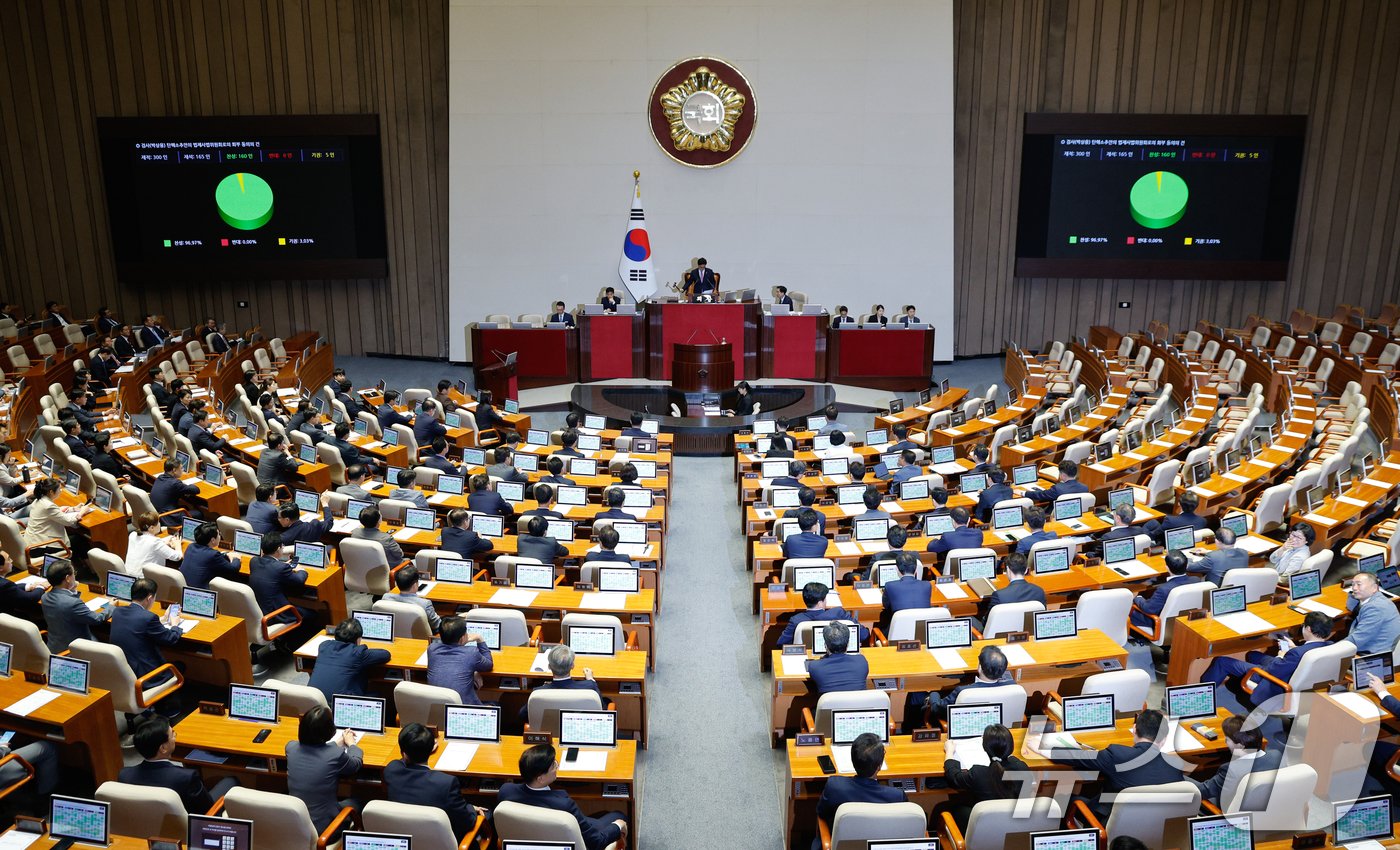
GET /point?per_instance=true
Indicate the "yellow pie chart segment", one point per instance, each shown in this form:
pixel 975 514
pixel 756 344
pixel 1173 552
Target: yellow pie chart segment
pixel 244 201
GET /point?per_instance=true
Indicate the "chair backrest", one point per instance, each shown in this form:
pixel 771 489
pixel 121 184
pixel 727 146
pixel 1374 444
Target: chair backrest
pixel 30 654
pixel 43 343
pixel 793 563
pixel 1212 348
pixel 992 822
pixel 1258 582
pixel 296 700
pixel 170 582
pixel 1319 666
pixel 237 599
pixel 1012 699
pixel 103 562
pixel 245 479
pixel 407 440
pixel 1322 562
pixel 1143 812
pixel 145 810
pixel 229 526
pixel 867 700
pixel 855 824
pixel 1009 617
pixel 393 510
pixel 504 565
pixel 366 566
pixel 410 621
pixel 330 456
pixel 542 709
pixel 955 557
pixel 1107 610
pixel 19 360
pixel 106 479
pixel 109 671
pixel 283 820
pixel 1161 486
pixel 1181 598
pixel 904 625
pixel 1277 800
pixel 1269 511
pixel 429 826
pixel 372 425
pixel 420 703
pixel 1129 687
pixel 1191 344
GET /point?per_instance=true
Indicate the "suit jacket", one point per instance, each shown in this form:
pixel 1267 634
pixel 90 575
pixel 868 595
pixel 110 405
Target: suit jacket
pixel 979 782
pixel 343 668
pixel 989 497
pixel 355 491
pixel 1157 599
pixel 455 666
pixel 821 519
pixel 425 430
pixel 506 472
pixel 67 618
pixel 608 555
pixel 203 439
pixel 14 596
pixel 854 789
pixel 442 464
pixel 276 467
pixel 610 305
pixel 464 542
pixel 100 370
pixel 314 773
pixel 389 417
pixel 216 342
pixel 271 580
pixel 909 320
pixel 786 481
pixel 123 348
pixel 1063 488
pixel 837 613
pixel 262 516
pixel 184 781
pixel 349 453
pixel 85 419
pixel 203 564
pixel 1221 787
pixel 1016 591
pixel 1218 562
pixel 105 462
pixel 166 493
pixel 908 592
pixel 1376 625
pixel 904 473
pixel 1282 668
pixel 958 538
pixel 702 280
pixel 596 834
pixel 393 552
pixel 78 447
pixel 411 495
pixel 565 318
pixel 844 672
pixel 546 549
pixel 417 785
pixel 489 502
pixel 1124 766
pixel 140 634
pixel 1025 543
pixel 877 320
pixel 151 336
pixel 306 532
pixel 1183 520
pixel 805 545
pixel 1119 532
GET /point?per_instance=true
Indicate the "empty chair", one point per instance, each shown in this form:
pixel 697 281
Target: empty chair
pixel 907 624
pixel 144 810
pixel 867 700
pixel 170 582
pixel 238 600
pixel 1270 510
pixel 1107 610
pixel 1258 582
pixel 1161 487
pixel 416 702
pixel 1142 812
pixel 1009 617
pixel 1128 687
pixel 410 621
pixel 1276 800
pixel 29 653
pixel 110 672
pixel 429 826
pixel 993 822
pixel 229 526
pixel 1319 666
pixel 856 824
pixel 283 822
pixel 330 456
pixel 1077 452
pixel 1331 332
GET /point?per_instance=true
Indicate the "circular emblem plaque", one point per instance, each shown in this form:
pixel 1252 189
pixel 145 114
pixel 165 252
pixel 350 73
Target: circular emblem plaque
pixel 702 112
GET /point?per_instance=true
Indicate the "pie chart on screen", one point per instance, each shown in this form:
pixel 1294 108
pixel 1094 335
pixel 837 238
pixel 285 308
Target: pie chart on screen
pixel 1158 199
pixel 244 201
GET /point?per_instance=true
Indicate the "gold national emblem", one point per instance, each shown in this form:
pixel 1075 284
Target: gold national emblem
pixel 702 111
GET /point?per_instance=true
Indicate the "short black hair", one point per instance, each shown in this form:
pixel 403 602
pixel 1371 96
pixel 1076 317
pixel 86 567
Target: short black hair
pixel 1176 562
pixel 906 562
pixel 406 477
pixel 416 743
pixel 959 515
pixel 538 524
pixel 897 536
pixel 608 537
pixel 616 497
pixel 871 497
pixel 1069 468
pixel 806 496
pixel 1035 518
pixel 317 726
pixel 908 457
pixel 939 495
pixel 452 630
pixel 205 533
pixel 992 662
pixel 151 735
pixel 58 572
pixel 544 494
pixel 369 517
pixel 1188 501
pixel 536 762
pixel 1016 563
pixel 406 578
pixel 1318 623
pixel 569 437
pixel 271 541
pixel 349 630
pixel 1234 729
pixel 814 592
pixel 806 519
pixel 289 511
pixel 1148 724
pixel 867 754
pixel 142 589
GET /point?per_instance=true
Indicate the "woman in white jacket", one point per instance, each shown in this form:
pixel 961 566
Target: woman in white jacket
pixel 1288 558
pixel 144 547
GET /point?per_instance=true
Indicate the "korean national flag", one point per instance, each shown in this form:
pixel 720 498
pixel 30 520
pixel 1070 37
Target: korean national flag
pixel 634 268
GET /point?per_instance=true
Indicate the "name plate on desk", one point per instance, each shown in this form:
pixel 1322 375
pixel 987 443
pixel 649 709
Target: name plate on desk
pixel 843 538
pixel 1195 614
pixel 885 684
pixel 1279 599
pixel 500 582
pixel 863 585
pixel 907 646
pixel 214 708
pixel 925 736
pixel 767 538
pixel 794 649
pixel 586 586
pixel 1309 840
pixel 1017 637
pixel 777 588
pixel 810 739
pixel 532 738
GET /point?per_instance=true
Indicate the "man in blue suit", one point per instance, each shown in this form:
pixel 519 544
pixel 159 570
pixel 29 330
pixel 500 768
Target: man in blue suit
pixel 155 741
pixel 1375 624
pixel 871 498
pixel 808 543
pixel 388 416
pixel 1185 517
pixel 343 665
pixel 293 528
pixel 908 591
pixel 997 492
pixel 1017 589
pixel 607 548
pixel 168 490
pixel 839 670
pixel 1226 556
pixel 806 498
pixel 203 563
pixel 409 780
pixel 458 537
pixel 439 460
pixel 1247 756
pixel 921 707
pixel 814 597
pixel 982 456
pixel 867 756
pixel 262 513
pixel 1122 524
pixel 140 634
pixel 534 544
pixel 1069 483
pixel 555 467
pixel 484 500
pixel 961 537
pixel 902 443
pixel 538 770
pixel 426 428
pixel 793 479
pixel 1035 521
pixel 1124 766
pixel 908 468
pixel 1317 628
pixel 1153 600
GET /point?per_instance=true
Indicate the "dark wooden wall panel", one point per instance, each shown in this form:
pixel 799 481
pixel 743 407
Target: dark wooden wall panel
pixel 66 62
pixel 1336 61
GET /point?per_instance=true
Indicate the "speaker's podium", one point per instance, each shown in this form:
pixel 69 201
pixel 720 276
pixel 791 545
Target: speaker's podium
pixel 702 368
pixel 499 378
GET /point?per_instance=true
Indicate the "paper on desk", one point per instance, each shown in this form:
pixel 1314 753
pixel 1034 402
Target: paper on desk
pixel 950 468
pixel 456 757
pixel 1098 467
pixel 403 535
pixel 947 658
pixel 1162 444
pixel 848 549
pixel 513 597
pixel 345 526
pixel 794 665
pixel 841 757
pixel 1245 622
pixel 1203 492
pixel 1134 569
pixel 871 595
pixel 952 591
pixel 138 455
pixel 539 665
pixel 311 647
pixel 1016 655
pixel 187 626
pixel 96 602
pixel 608 599
pixel 1078 429
pixel 1179 740
pixel 870 547
pixel 1368 844
pixel 123 442
pixel 852 510
pixel 1314 605
pixel 1054 438
pixel 422 660
pixel 765 514
pixel 1256 545
pixel 439 498
pixel 1371 482
pixel 1135 456
pixel 1353 501
pixel 1313 517
pixel 32 703
pixel 1235 476
pixel 1358 704
pixel 16 840
pixel 588 761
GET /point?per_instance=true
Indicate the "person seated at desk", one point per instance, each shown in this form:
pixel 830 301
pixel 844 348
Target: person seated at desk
pixel 484 500
pixel 902 443
pixel 1035 521
pixel 409 780
pixel 544 503
pixel 125 345
pixel 426 427
pixel 406 580
pixel 214 337
pixel 78 406
pixel 807 543
pixel 961 537
pixel 456 660
pixel 1375 624
pixel 982 457
pixel 1184 517
pixel 72 437
pixel 909 317
pixel 503 469
pixel 1379 777
pixel 458 537
pixel 272 410
pixel 561 666
pixel 814 597
pixel 833 422
pixel 908 591
pixel 443 396
pixel 838 670
pixel 838 447
pixel 251 387
pixel 369 530
pixel 981 782
pixel 48 521
pixel 610 301
pixel 635 430
pixel 68 618
pixel 780 296
pixel 538 770
pixel 406 492
pixel 162 390
pixel 555 466
pixel 843 317
pixel 346 395
pixel 203 439
pixel 908 468
pixel 780 443
pixel 439 460
pixel 1151 601
pixel 998 491
pixel 1124 766
pixel 275 466
pixel 356 476
pixel 488 419
pixel 155 741
pixel 319 759
pixel 927 709
pixel 140 634
pixel 23 596
pixel 1247 756
pixel 102 458
pixel 1295 551
pixel 867 757
pixel 272 581
pixel 343 665
pixel 560 315
pixel 1122 524
pixel 807 498
pixel 292 528
pixel 896 538
pixel 878 317
pixel 607 551
pixel 388 416
pixel 701 280
pixel 203 563
pixel 350 454
pixel 568 442
pixel 104 367
pixel 536 545
pixel 796 469
pixel 1018 588
pixel 262 513
pixel 1069 483
pixel 743 404
pixel 106 323
pixel 307 420
pixel 1225 557
pixel 871 498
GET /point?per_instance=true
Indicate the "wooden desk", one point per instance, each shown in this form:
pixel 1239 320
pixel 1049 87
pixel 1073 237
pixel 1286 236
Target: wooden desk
pixel 918 415
pixel 1340 738
pixel 545 356
pixel 982 429
pixel 669 323
pixel 214 652
pixel 1130 467
pixel 1049 448
pixel 1342 518
pixel 84 726
pixel 794 346
pixel 612 345
pixel 880 357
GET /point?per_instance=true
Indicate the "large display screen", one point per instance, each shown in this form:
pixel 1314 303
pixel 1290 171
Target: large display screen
pixel 245 197
pixel 1158 196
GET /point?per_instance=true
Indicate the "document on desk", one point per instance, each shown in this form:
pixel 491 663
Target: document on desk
pixel 1133 569
pixel 141 455
pixel 439 498
pixel 16 840
pixel 422 660
pixel 794 665
pixel 871 595
pixel 1314 605
pixel 313 646
pixel 1358 704
pixel 1179 740
pixel 1371 482
pixel 765 514
pixel 403 535
pixel 32 703
pixel 1245 623
pixel 870 547
pixel 539 665
pixel 950 468
pixel 1236 477
pixel 1016 655
pixel 852 510
pixel 848 549
pixel 609 600
pixel 1313 517
pixel 456 757
pixel 948 658
pixel 1054 438
pixel 187 626
pixel 841 757
pixel 96 602
pixel 514 597
pixel 1256 545
pixel 345 526
pixel 952 590
pixel 1354 502
pixel 124 442
pixel 588 761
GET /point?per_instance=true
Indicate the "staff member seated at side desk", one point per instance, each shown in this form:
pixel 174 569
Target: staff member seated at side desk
pixel 843 317
pixel 1069 483
pixel 878 318
pixel 910 317
pixel 1151 601
pixel 560 315
pixel 780 296
pixel 538 770
pixel 610 301
pixel 839 670
pixel 867 756
pixel 814 597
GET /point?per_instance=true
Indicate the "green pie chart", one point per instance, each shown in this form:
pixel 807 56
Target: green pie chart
pixel 245 201
pixel 1158 199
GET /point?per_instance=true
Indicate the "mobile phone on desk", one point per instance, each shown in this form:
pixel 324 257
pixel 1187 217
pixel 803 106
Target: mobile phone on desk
pixel 571 755
pixel 261 736
pixel 826 764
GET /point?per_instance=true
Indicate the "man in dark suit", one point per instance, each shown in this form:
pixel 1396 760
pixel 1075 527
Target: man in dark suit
pixel 409 780
pixel 155 741
pixel 388 416
pixel 807 543
pixel 1317 631
pixel 796 469
pixel 458 537
pixel 839 670
pixel 555 466
pixel 349 452
pixel 901 442
pixel 72 438
pixel 538 770
pixel 961 537
pixel 843 317
pixel 867 756
pixel 307 420
pixel 1185 517
pixel 871 498
pixel 607 543
pixel 78 406
pixel 610 301
pixel 272 580
pixel 932 707
pixel 20 598
pixel 104 366
pixel 614 498
pixel 152 334
pixel 1069 483
pixel 780 296
pixel 561 666
pixel 997 492
pixel 1226 556
pixel 814 597
pixel 102 458
pixel 536 545
pixel 560 315
pixel 908 468
pixel 484 500
pixel 1122 524
pixel 262 512
pixel 1152 601
pixel 1035 521
pixel 910 317
pixel 896 538
pixel 908 591
pixel 1247 756
pixel 807 498
pixel 426 427
pixel 503 469
pixel 346 395
pixel 275 466
pixel 343 665
pixel 203 439
pixel 293 528
pixel 140 633
pixel 65 613
pixel 635 429
pixel 544 503
pixel 1124 766
pixel 701 280
pixel 439 460
pixel 124 344
pixel 982 457
pixel 567 442
pixel 203 563
pixel 1018 588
